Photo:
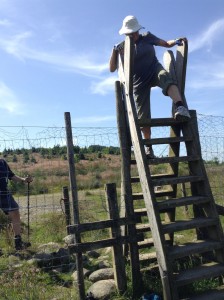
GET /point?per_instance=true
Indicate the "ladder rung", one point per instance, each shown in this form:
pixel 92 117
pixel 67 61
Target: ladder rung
pixel 158 193
pixel 146 243
pixel 209 270
pixel 188 224
pixel 159 122
pixel 216 294
pixel 176 180
pixel 143 228
pixel 176 202
pixel 169 159
pixel 135 179
pixel 173 159
pixel 137 196
pixel 166 140
pixel 196 247
pixel 148 256
pixel 141 212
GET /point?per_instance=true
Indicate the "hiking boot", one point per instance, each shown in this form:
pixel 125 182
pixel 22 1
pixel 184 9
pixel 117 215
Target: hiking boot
pixel 149 153
pixel 19 244
pixel 182 114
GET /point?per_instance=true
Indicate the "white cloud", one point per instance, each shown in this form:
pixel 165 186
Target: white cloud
pixel 207 75
pixel 5 23
pixel 19 46
pixel 206 38
pixel 105 86
pixel 8 100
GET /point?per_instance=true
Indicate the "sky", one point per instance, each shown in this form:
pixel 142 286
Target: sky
pixel 54 57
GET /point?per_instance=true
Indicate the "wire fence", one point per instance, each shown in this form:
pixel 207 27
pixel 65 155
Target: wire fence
pixel 41 152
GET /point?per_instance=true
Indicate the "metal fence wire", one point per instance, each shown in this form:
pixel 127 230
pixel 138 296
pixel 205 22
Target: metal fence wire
pixel 41 152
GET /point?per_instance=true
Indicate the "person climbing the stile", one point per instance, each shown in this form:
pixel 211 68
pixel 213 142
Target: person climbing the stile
pixel 148 72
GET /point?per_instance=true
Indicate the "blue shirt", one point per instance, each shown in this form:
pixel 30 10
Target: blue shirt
pixel 145 60
pixel 5 174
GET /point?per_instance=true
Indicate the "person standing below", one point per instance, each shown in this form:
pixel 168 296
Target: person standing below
pixel 8 204
pixel 148 72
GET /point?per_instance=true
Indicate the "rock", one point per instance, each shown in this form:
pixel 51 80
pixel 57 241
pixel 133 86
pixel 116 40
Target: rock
pixel 93 254
pixel 103 264
pixel 69 239
pixel 101 274
pixel 49 247
pixel 103 289
pixel 85 273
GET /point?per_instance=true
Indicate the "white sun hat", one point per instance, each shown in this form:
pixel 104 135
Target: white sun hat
pixel 130 25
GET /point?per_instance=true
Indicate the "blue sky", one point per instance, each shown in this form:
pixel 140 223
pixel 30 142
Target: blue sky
pixel 54 57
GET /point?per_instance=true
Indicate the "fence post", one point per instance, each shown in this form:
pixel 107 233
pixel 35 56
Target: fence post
pixel 66 206
pixel 73 186
pixel 118 258
pixel 126 189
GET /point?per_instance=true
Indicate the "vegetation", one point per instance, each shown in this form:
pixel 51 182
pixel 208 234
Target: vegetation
pixel 95 166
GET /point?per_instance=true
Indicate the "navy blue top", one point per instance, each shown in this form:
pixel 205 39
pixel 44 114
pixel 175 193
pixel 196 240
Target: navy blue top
pixel 145 60
pixel 5 174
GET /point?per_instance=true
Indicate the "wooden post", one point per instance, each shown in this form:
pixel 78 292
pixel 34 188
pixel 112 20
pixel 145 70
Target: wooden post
pixel 66 206
pixel 126 190
pixel 73 186
pixel 143 170
pixel 118 258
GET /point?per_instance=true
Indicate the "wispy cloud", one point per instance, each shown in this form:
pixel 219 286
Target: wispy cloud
pixel 207 75
pixel 18 46
pixel 105 86
pixel 5 23
pixel 8 100
pixel 206 38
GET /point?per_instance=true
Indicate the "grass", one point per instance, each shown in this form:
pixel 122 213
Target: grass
pixel 21 280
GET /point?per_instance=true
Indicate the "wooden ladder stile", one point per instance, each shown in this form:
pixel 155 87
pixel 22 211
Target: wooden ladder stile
pixel 160 192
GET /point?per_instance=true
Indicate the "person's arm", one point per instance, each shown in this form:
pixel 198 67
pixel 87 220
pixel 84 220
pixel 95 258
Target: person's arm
pixel 17 178
pixel 113 60
pixel 171 43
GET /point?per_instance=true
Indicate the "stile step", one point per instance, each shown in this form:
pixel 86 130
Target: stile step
pixel 214 294
pixel 209 270
pixel 136 179
pixel 171 159
pixel 176 180
pixel 157 122
pixel 189 224
pixel 148 257
pixel 140 212
pixel 146 243
pixel 196 247
pixel 158 193
pixel 177 202
pixel 166 140
pixel 143 228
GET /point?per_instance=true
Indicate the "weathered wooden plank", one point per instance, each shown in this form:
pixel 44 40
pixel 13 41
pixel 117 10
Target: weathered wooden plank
pixel 162 160
pixel 118 258
pixel 159 122
pixel 126 189
pixel 181 66
pixel 73 186
pixel 176 180
pixel 88 246
pixel 196 247
pixel 209 270
pixel 216 294
pixel 167 140
pixel 189 224
pixel 99 225
pixel 177 202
